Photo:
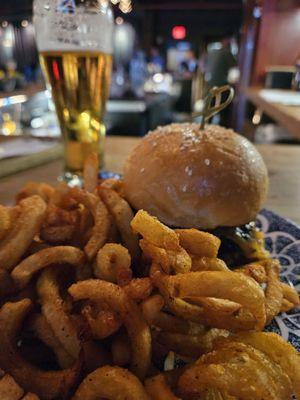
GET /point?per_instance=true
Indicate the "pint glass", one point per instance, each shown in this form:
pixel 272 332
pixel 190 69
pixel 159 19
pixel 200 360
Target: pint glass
pixel 75 42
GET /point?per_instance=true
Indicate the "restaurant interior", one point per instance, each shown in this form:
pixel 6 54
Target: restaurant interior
pixel 150 199
pixel 168 55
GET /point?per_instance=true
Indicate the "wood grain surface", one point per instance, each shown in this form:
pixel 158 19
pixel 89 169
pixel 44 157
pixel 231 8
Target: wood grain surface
pixel 286 116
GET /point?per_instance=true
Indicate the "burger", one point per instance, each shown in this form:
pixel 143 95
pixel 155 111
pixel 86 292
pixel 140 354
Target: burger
pixel 212 179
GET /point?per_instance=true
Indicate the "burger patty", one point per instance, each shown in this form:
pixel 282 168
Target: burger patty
pixel 241 245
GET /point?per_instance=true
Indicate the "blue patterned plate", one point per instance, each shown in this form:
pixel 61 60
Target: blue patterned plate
pixel 283 242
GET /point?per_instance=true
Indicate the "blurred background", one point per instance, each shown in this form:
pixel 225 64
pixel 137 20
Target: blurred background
pixel 168 53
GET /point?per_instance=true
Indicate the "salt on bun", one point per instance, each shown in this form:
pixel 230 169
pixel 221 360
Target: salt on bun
pixel 193 178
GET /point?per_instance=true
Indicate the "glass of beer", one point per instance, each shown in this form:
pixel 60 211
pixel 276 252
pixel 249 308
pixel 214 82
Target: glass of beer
pixel 75 42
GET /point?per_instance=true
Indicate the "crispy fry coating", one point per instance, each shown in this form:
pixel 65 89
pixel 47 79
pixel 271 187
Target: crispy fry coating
pixel 46 384
pixel 19 238
pixel 123 215
pixel 222 289
pixel 102 323
pixel 111 383
pixel 54 310
pixel 102 220
pixel 158 388
pixel 43 190
pixel 154 231
pixel 113 263
pixel 5 221
pixel 239 370
pixel 198 243
pixel 117 299
pixel 23 272
pixel 9 389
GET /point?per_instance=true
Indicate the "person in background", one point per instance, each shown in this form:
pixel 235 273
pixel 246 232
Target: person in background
pixel 190 63
pixel 218 64
pixel 138 72
pixel 157 60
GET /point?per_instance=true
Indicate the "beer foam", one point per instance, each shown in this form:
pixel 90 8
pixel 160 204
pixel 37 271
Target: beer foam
pixel 79 30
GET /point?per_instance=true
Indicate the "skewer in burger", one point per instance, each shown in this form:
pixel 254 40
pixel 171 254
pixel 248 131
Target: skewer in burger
pixel 211 179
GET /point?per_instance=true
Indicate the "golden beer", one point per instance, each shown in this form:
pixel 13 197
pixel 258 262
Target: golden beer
pixel 80 84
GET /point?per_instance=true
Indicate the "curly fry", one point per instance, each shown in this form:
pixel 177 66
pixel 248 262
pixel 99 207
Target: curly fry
pixel 198 243
pixel 30 396
pixel 19 238
pixel 152 311
pixel 139 289
pixel 279 351
pixel 208 264
pixel 44 332
pixel 290 295
pixel 47 384
pixel 255 271
pixel 53 309
pixel 190 345
pixel 60 224
pixel 224 369
pixel 102 323
pixel 23 272
pixel 43 190
pixel 216 285
pixel 101 217
pixel 158 388
pixel 123 215
pixel 154 231
pixel 273 292
pixel 111 383
pixel 9 389
pixel 100 291
pixel 113 261
pixel 177 261
pixel 115 184
pixel 5 221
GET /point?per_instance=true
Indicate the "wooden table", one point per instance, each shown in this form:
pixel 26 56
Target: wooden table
pixel 283 162
pixel 286 116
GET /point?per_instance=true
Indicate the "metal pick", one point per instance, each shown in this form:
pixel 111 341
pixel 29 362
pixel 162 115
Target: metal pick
pixel 214 94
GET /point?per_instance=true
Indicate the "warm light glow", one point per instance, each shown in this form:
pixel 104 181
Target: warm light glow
pixel 158 78
pixel 179 32
pixel 119 21
pixel 4 24
pixel 24 23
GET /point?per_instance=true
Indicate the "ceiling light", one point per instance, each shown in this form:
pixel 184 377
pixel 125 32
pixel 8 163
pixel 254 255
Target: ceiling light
pixel 24 23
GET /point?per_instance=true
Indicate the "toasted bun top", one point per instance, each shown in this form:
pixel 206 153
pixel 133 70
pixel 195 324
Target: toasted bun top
pixel 203 179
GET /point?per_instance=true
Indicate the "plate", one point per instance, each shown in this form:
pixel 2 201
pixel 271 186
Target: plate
pixel 283 242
